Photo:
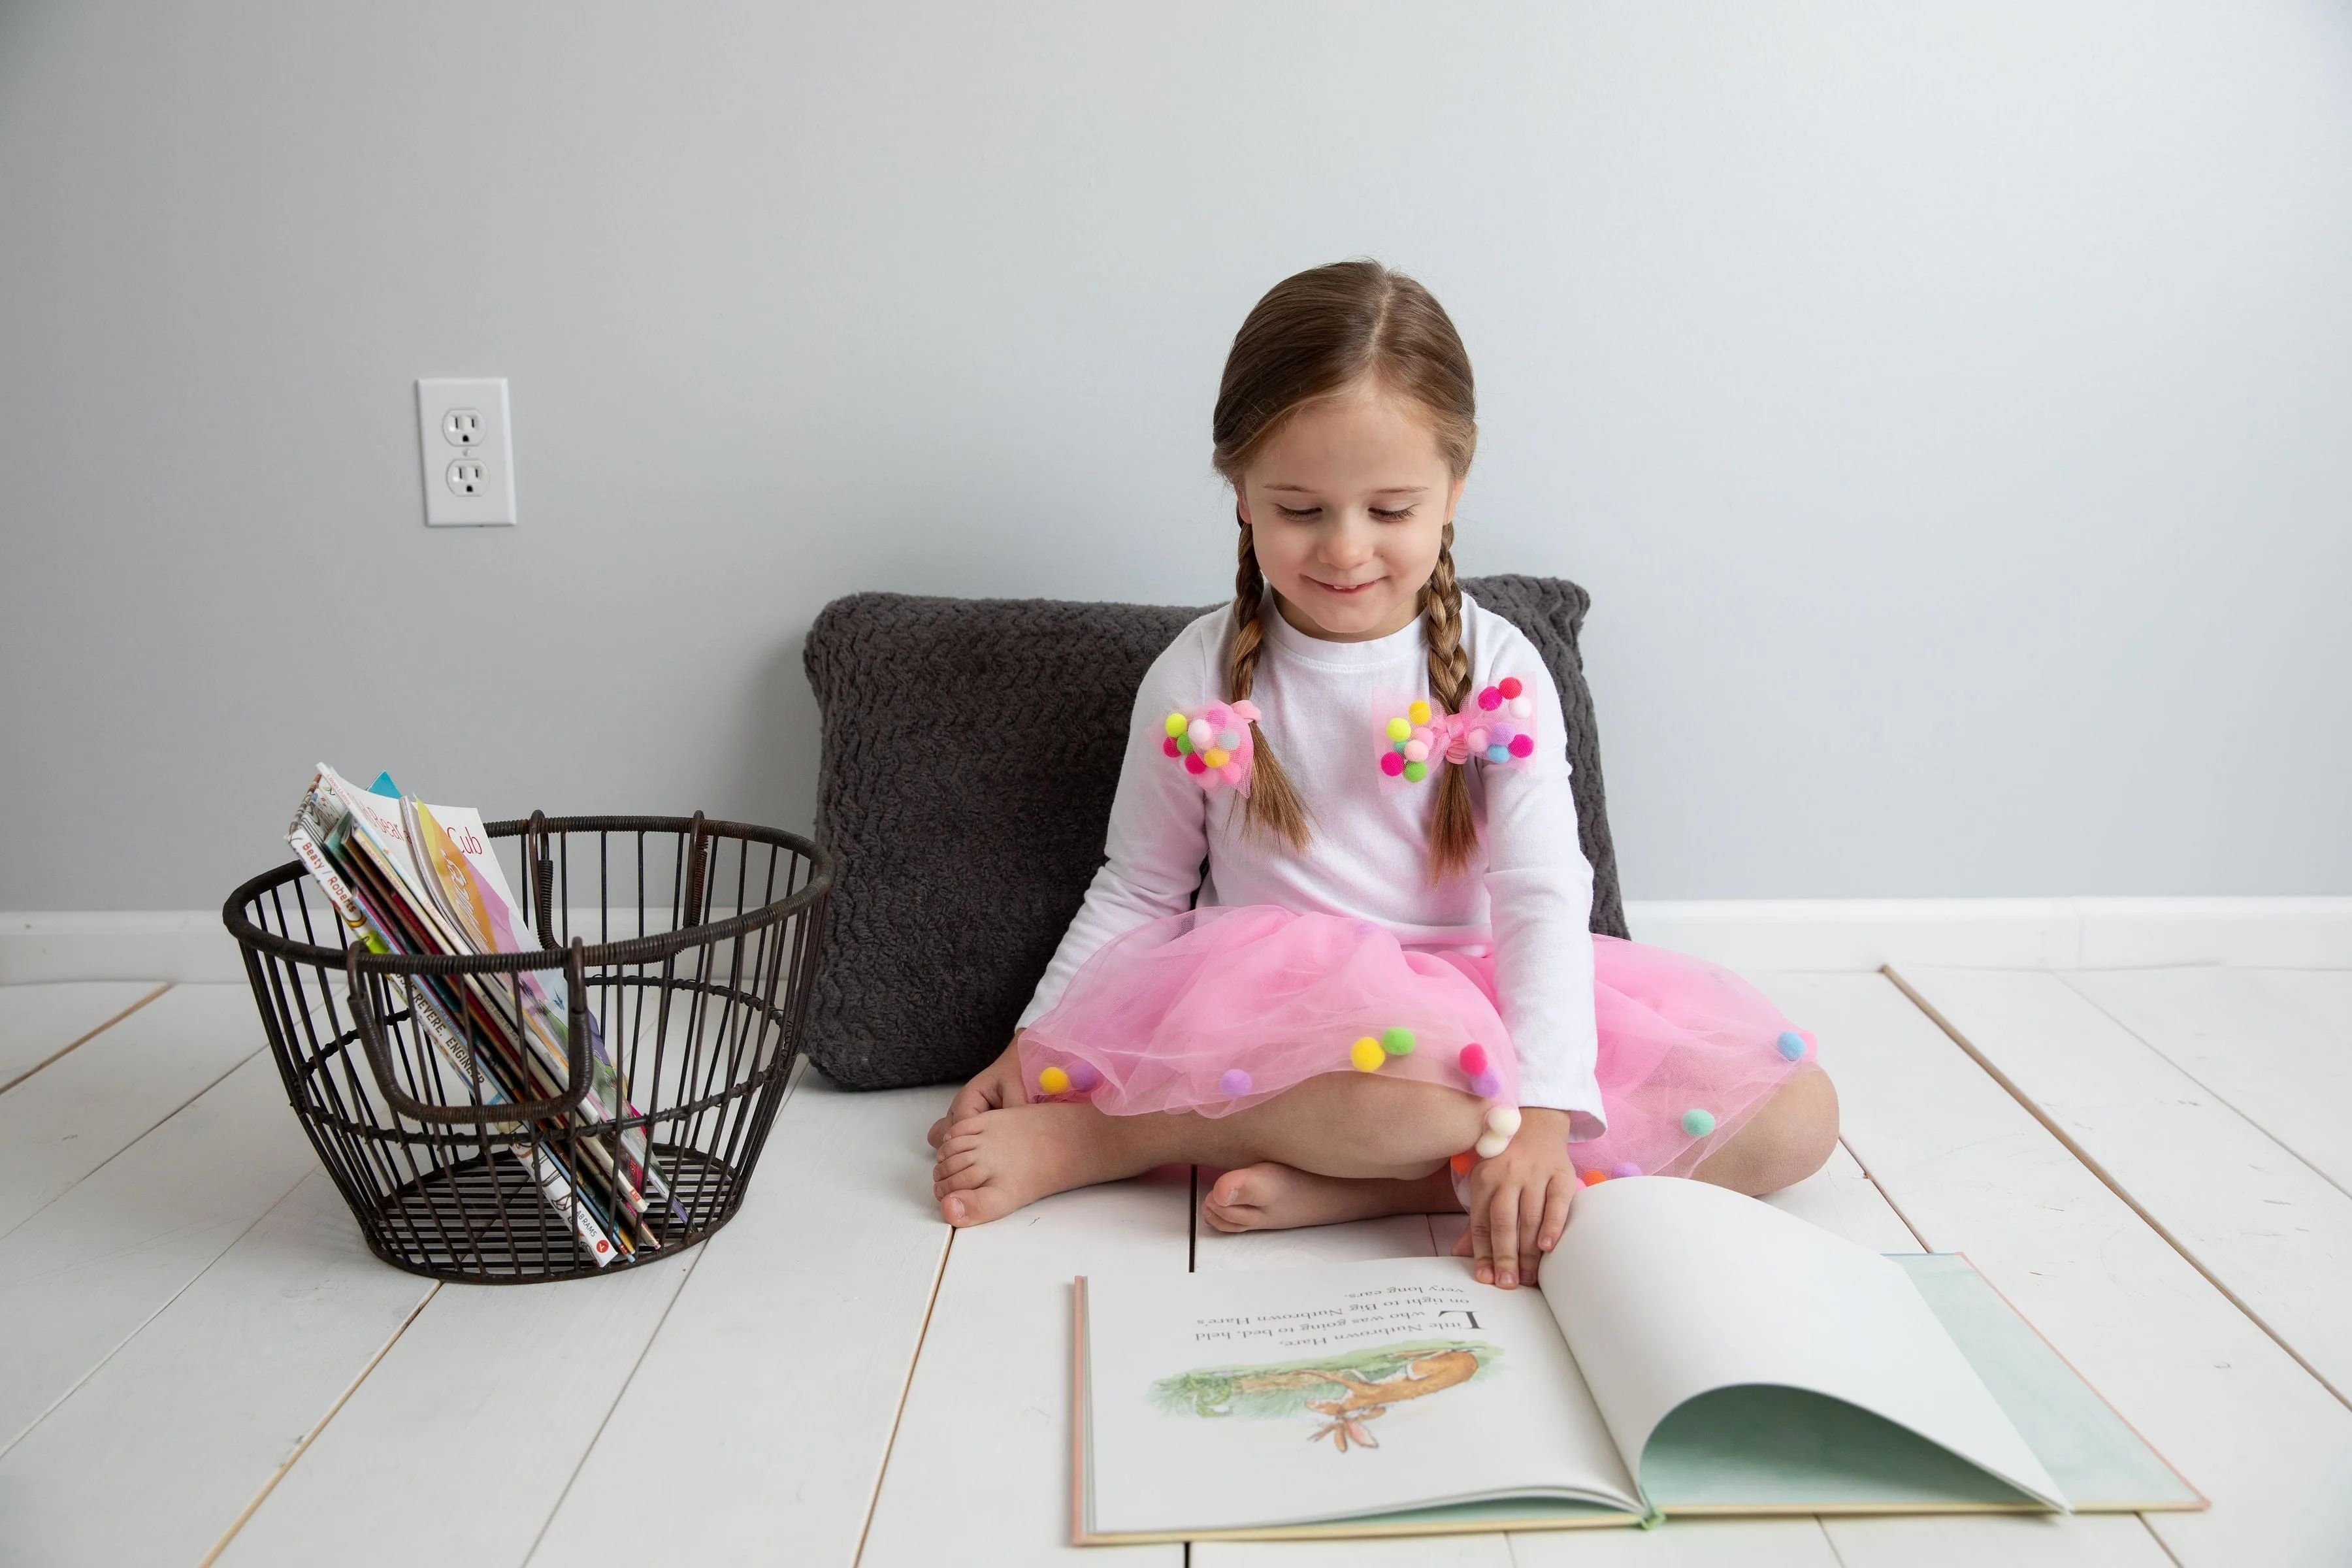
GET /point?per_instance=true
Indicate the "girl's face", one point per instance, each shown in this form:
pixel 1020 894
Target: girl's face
pixel 1347 503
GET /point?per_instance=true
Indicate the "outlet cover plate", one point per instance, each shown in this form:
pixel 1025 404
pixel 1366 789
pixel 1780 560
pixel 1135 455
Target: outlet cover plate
pixel 461 429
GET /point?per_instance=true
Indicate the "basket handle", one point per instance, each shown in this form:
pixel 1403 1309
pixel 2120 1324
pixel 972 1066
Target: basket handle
pixel 576 1081
pixel 698 867
pixel 543 877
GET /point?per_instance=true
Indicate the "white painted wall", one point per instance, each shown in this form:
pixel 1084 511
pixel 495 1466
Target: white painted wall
pixel 1949 408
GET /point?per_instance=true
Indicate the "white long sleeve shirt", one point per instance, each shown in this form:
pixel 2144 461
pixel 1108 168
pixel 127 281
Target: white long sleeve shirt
pixel 1528 897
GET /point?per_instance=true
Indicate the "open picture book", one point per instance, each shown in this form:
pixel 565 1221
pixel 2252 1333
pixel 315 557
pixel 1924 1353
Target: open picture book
pixel 1687 1350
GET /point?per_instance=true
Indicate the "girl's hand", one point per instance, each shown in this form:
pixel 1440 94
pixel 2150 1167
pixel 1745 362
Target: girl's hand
pixel 1518 1201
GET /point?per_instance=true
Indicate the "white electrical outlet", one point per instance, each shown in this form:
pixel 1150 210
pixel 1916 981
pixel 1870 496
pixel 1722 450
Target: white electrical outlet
pixel 461 427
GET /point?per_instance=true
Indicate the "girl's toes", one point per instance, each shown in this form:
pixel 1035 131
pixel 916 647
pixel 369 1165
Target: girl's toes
pixel 1232 1220
pixel 1236 1200
pixel 976 1206
pixel 955 1181
pixel 1251 1187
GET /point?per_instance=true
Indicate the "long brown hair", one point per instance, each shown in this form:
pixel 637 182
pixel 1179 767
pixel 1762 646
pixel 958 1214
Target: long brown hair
pixel 1315 334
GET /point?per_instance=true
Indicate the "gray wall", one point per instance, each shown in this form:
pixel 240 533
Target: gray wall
pixel 1949 408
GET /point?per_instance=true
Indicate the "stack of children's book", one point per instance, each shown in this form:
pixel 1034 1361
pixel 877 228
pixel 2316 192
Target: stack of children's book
pixel 408 878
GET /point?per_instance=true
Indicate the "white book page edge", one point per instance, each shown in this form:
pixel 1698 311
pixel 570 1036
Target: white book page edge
pixel 1667 1289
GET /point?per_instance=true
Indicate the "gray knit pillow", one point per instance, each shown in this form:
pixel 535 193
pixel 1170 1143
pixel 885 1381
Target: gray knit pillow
pixel 972 747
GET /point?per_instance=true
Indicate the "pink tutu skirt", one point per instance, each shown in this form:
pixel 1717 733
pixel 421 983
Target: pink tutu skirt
pixel 1222 1008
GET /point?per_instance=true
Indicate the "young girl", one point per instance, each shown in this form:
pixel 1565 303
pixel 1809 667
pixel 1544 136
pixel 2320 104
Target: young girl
pixel 1339 945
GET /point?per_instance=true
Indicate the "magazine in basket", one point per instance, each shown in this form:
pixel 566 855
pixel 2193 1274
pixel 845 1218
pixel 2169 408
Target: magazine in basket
pixel 1687 1351
pixel 408 878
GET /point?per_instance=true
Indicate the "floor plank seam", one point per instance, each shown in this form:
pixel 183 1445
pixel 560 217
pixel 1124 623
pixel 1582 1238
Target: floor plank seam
pixel 2218 1097
pixel 1192 1242
pixel 619 1395
pixel 141 1327
pixel 898 1413
pixel 64 1051
pixel 2092 1164
pixel 133 1142
pixel 282 1471
pixel 2157 1536
pixel 1884 1196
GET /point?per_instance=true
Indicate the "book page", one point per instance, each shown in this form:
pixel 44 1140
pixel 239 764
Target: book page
pixel 1668 1288
pixel 1238 1400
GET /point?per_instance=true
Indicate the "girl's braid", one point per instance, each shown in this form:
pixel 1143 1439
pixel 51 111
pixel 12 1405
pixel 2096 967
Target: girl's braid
pixel 1273 806
pixel 1452 828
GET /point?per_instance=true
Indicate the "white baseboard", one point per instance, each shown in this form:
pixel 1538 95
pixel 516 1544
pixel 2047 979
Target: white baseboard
pixel 1753 935
pixel 179 945
pixel 1762 935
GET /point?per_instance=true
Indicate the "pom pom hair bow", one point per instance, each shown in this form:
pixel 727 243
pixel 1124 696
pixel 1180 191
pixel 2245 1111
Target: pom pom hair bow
pixel 1213 744
pixel 1499 726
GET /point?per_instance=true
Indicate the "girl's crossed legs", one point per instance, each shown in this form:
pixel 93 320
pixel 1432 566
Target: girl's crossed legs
pixel 1338 1146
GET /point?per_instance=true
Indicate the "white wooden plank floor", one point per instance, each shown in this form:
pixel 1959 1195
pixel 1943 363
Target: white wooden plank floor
pixel 2150 1164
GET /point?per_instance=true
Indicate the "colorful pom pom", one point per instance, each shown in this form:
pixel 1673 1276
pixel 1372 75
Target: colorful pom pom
pixel 1175 725
pixel 1594 1178
pixel 1490 1144
pixel 1398 1042
pixel 1465 1161
pixel 1194 764
pixel 1231 740
pixel 1232 773
pixel 1478 740
pixel 1523 707
pixel 1486 1085
pixel 1417 712
pixel 1366 1055
pixel 1417 751
pixel 1504 1119
pixel 1203 734
pixel 1234 1082
pixel 1791 1044
pixel 1509 685
pixel 1490 698
pixel 1698 1123
pixel 1054 1081
pixel 1083 1076
pixel 1399 730
pixel 1216 756
pixel 1170 747
pixel 1625 1168
pixel 1391 764
pixel 1184 745
pixel 1474 1059
pixel 1499 753
pixel 1523 746
pixel 1416 771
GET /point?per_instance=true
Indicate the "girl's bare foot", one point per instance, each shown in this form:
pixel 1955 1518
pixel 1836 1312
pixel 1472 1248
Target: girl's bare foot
pixel 997 1161
pixel 993 1086
pixel 1270 1196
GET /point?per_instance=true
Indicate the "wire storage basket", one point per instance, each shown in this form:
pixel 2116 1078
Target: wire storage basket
pixel 676 956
